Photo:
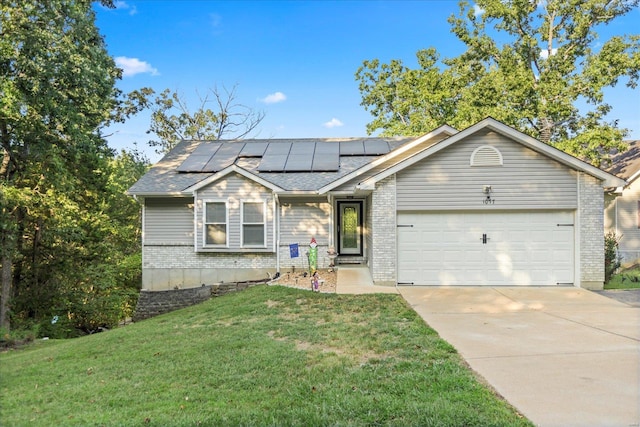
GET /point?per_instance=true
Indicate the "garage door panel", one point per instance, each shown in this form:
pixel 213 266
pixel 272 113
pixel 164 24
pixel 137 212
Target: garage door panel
pixel 522 248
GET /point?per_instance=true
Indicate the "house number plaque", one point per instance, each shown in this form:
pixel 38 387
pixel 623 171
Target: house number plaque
pixel 489 201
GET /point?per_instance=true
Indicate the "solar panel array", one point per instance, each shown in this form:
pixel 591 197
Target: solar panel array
pixel 281 156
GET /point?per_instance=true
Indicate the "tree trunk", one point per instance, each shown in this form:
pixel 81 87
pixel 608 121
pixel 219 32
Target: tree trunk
pixel 7 263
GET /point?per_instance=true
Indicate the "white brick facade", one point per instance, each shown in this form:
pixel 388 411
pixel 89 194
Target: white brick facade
pixel 591 222
pixel 169 267
pixel 383 232
pixel 301 263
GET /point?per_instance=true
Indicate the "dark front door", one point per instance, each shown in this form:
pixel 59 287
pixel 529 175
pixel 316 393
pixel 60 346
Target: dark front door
pixel 350 228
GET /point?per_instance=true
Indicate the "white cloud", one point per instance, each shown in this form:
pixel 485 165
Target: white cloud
pixel 274 98
pixel 333 123
pixel 132 66
pixel 123 5
pixel 477 10
pixel 544 53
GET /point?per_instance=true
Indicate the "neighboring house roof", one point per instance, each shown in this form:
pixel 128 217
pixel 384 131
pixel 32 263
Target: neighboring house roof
pixel 319 165
pixel 626 164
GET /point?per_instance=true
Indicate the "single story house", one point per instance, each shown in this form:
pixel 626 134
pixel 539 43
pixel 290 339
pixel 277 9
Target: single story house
pixel 622 204
pixel 487 205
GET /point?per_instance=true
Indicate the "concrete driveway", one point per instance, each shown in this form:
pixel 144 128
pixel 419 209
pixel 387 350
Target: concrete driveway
pixel 561 356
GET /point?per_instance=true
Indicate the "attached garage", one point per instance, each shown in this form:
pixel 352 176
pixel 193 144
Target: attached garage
pixel 492 207
pixel 534 248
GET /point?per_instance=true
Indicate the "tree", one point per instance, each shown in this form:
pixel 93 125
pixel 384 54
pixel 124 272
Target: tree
pixel 57 90
pixel 526 63
pixel 173 121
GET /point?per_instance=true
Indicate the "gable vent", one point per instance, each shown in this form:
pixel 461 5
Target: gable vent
pixel 486 155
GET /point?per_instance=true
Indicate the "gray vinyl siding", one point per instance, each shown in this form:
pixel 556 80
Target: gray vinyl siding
pixel 526 180
pixel 168 221
pixel 351 185
pixel 300 220
pixel 235 189
pixel 622 216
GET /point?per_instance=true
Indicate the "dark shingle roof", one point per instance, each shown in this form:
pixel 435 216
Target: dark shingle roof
pixel 626 164
pixel 164 177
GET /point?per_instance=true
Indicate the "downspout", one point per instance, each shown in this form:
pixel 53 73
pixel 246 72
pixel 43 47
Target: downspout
pixel 143 233
pixel 195 222
pixel 578 236
pixel 615 215
pixel 276 219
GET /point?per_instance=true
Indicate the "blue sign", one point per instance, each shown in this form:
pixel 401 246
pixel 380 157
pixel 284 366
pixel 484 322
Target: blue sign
pixel 293 250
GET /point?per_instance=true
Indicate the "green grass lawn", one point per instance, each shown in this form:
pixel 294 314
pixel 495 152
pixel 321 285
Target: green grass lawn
pixel 626 279
pixel 265 356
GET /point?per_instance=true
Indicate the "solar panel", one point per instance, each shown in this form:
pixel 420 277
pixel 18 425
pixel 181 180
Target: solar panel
pixel 207 148
pixel 253 149
pixel 303 148
pixel 224 157
pixel 281 156
pixel 327 147
pixel 299 162
pixel 375 147
pixel 275 157
pixel 193 163
pixel 326 157
pixel 199 158
pixel 300 157
pixel 351 148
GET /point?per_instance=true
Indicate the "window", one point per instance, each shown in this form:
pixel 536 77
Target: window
pixel 253 224
pixel 215 224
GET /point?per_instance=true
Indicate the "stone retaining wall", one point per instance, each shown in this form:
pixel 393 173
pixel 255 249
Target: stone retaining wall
pixel 154 303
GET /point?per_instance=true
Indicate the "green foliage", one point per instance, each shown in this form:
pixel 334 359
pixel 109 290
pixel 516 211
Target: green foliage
pixel 85 264
pixel 611 257
pixel 626 279
pixel 265 356
pixel 173 121
pixel 13 338
pixel 68 232
pixel 527 64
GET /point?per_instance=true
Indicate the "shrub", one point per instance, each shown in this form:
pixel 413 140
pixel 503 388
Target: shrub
pixel 611 257
pixel 16 337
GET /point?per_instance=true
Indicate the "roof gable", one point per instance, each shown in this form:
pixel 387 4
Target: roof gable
pixel 399 154
pixel 361 161
pixel 228 170
pixel 489 123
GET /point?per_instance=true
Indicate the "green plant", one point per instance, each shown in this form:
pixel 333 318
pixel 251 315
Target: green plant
pixel 17 337
pixel 625 279
pixel 611 257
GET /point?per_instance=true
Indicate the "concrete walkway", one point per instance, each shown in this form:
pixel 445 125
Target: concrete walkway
pixel 356 279
pixel 561 356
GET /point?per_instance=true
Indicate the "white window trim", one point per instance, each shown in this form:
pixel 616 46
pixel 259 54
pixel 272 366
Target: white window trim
pixel 264 223
pixel 204 223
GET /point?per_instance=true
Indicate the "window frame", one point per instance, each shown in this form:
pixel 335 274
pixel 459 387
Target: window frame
pixel 206 202
pixel 263 224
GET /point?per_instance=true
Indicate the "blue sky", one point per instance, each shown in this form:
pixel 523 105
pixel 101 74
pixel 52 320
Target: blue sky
pixel 293 60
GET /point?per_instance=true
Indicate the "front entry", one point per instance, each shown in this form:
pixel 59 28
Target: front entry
pixel 350 228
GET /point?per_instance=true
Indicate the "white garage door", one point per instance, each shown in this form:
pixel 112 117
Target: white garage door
pixel 498 248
